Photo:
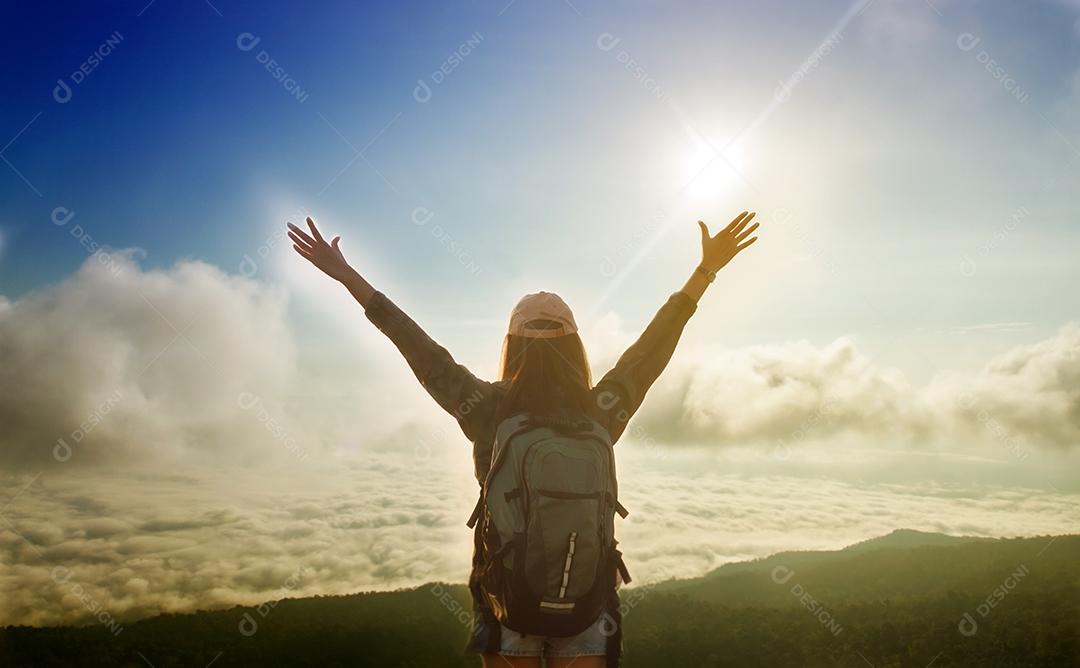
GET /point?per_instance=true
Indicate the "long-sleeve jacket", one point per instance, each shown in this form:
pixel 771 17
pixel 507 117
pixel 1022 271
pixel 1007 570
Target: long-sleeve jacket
pixel 473 402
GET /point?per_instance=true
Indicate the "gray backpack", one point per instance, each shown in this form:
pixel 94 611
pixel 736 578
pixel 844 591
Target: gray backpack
pixel 547 554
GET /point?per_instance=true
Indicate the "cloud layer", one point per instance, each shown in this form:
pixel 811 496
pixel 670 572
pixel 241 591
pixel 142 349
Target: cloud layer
pixel 211 488
pixel 117 363
pixel 141 543
pixel 787 394
pixel 138 544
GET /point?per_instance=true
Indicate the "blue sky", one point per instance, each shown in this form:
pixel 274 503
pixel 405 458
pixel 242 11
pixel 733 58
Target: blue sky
pixel 896 156
pixel 900 348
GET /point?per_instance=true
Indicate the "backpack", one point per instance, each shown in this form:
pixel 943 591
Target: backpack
pixel 546 550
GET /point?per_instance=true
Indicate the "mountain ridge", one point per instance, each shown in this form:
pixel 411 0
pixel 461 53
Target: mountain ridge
pixel 895 601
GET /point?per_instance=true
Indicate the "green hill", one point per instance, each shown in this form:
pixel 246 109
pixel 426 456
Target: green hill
pixel 908 538
pixel 906 599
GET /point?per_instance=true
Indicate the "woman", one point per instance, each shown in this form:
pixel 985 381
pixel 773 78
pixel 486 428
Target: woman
pixel 544 371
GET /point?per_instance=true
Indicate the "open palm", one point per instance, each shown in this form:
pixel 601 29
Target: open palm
pixel 326 256
pixel 717 251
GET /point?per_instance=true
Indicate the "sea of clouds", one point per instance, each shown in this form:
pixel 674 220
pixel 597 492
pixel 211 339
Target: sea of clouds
pixel 166 446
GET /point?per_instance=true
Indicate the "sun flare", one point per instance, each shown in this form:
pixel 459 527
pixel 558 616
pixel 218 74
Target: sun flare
pixel 712 169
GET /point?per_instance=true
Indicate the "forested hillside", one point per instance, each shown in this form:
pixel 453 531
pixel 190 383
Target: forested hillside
pixel 902 600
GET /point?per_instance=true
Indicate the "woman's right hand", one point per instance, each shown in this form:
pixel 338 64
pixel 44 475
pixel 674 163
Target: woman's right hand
pixel 326 256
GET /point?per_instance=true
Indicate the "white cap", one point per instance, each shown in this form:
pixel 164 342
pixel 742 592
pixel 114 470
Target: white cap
pixel 542 306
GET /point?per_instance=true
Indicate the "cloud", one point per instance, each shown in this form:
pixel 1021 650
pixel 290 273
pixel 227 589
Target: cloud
pixel 792 393
pixel 682 525
pixel 787 392
pixel 117 363
pixel 1030 394
pixel 203 503
pixel 160 543
pixel 388 520
pixel 190 362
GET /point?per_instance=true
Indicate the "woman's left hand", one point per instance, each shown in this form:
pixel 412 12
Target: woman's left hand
pixel 717 251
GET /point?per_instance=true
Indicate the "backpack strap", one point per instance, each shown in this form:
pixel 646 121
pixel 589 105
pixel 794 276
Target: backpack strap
pixel 487 631
pixel 479 508
pixel 506 547
pixel 620 564
pixel 508 430
pixel 613 646
pixel 476 512
pixel 619 508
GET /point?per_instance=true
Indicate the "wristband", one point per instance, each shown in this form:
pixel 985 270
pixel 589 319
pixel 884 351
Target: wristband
pixel 709 275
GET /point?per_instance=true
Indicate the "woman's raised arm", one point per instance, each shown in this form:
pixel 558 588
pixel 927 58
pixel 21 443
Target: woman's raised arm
pixel 454 388
pixel 620 392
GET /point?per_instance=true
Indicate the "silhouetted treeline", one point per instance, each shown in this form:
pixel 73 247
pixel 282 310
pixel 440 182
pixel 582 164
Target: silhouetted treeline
pixel 904 600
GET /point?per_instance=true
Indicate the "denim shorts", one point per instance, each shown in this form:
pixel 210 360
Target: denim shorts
pixel 590 642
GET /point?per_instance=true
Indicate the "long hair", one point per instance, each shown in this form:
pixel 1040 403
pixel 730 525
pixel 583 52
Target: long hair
pixel 546 376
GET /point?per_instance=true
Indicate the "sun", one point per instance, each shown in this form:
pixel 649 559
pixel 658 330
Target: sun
pixel 712 169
